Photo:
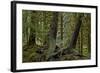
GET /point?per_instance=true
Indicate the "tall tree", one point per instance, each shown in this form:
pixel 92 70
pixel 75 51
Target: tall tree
pixel 52 34
pixel 61 29
pixel 31 29
pixel 74 38
pixel 81 41
pixel 75 33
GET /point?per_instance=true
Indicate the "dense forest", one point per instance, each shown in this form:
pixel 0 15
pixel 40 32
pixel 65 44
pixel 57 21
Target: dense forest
pixel 55 36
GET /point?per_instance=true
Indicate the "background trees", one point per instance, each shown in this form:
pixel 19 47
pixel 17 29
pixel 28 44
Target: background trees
pixel 51 36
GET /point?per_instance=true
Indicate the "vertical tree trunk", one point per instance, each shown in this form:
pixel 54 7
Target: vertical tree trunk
pixel 44 20
pixel 28 24
pixel 52 34
pixel 61 29
pixel 31 30
pixel 81 42
pixel 53 26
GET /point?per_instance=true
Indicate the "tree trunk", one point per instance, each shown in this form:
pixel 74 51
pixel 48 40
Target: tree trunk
pixel 31 31
pixel 75 34
pixel 52 34
pixel 73 39
pixel 81 42
pixel 61 29
pixel 53 26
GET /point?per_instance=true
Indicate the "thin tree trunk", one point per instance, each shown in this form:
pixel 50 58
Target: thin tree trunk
pixel 32 35
pixel 81 42
pixel 61 31
pixel 61 28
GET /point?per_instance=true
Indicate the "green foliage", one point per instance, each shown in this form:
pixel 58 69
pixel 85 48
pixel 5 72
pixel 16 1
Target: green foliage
pixel 38 35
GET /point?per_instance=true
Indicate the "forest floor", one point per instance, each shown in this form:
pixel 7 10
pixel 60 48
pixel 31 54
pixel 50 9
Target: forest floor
pixel 38 54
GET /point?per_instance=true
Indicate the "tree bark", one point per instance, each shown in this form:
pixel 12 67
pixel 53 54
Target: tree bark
pixel 75 34
pixel 32 35
pixel 73 39
pixel 81 42
pixel 52 34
